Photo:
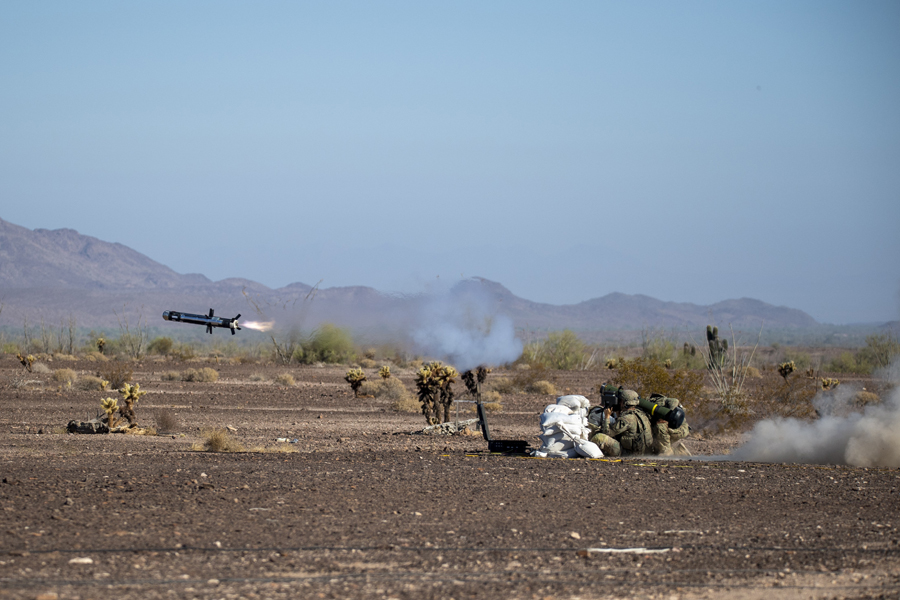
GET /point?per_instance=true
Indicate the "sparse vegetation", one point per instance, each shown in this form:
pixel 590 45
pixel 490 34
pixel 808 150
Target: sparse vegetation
pixel 541 387
pixel 219 440
pixel 166 420
pixel 117 373
pixel 561 350
pixel 201 375
pixel 327 344
pixel 647 376
pixel 65 376
pixel 91 383
pixel 161 346
pixel 285 379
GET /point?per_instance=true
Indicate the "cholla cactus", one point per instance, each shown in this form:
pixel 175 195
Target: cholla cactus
pixel 427 391
pixel 668 363
pixel 130 395
pixel 474 379
pixel 355 378
pixel 101 343
pixel 385 372
pixel 110 406
pixel 612 363
pixel 27 361
pixel 829 383
pixel 103 384
pixel 785 369
pixel 434 382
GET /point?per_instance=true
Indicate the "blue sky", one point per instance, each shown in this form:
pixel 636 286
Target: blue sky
pixel 690 151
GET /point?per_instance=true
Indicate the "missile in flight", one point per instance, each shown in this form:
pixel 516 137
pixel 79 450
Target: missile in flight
pixel 209 320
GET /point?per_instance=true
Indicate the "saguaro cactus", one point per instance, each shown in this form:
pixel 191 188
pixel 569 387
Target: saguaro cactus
pixel 718 349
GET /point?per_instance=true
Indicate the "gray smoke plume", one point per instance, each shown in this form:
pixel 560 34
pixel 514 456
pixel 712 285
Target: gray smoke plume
pixel 465 329
pixel 870 438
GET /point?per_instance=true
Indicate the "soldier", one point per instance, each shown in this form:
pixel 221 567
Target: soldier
pixel 663 435
pixel 630 434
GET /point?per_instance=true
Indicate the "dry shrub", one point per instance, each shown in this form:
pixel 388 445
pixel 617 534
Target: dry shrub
pixel 493 406
pixel 202 375
pixel 490 397
pixel 166 420
pixel 503 385
pixel 864 398
pixel 285 379
pixel 247 360
pixel 171 376
pixel 541 387
pixel 64 376
pixel 367 363
pixel 388 389
pixel 407 405
pixel 117 373
pixel 753 373
pixel 40 368
pixel 95 356
pixel 68 357
pixel 257 377
pixel 647 376
pixel 91 383
pixel 219 440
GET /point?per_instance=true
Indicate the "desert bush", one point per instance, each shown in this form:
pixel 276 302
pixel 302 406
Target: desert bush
pixel 649 376
pixel 166 420
pixel 656 346
pixel 561 350
pixel 219 440
pixel 202 375
pixel 865 398
pixel 95 356
pixel 753 373
pixel 62 356
pixel 801 359
pixel 847 362
pixel 541 387
pixel 502 385
pixel 161 346
pixel 117 373
pixel 493 406
pixel 390 388
pixel 65 376
pixel 880 350
pixel 183 352
pixel 489 397
pixel 91 383
pixel 327 344
pixel 285 379
pixel 367 363
pixel 406 405
pixel 257 377
pixel 39 367
pixel 171 376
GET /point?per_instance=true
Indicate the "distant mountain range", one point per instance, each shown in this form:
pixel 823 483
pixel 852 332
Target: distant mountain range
pixel 53 275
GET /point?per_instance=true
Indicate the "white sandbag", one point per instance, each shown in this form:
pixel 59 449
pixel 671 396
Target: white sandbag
pixel 550 431
pixel 574 431
pixel 559 408
pixel 558 446
pixel 556 419
pixel 571 453
pixel 589 450
pixel 539 454
pixel 571 401
pixel 553 438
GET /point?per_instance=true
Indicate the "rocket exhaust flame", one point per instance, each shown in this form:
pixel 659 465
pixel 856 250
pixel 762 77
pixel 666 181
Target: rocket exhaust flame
pixel 258 325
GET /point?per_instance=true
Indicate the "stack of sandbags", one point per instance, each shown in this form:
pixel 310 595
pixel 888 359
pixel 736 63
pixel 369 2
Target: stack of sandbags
pixel 564 430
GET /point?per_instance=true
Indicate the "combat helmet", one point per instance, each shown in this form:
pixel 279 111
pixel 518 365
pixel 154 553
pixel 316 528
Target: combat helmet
pixel 629 397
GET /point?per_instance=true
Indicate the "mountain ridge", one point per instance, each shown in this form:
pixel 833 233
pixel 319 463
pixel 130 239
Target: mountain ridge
pixel 57 273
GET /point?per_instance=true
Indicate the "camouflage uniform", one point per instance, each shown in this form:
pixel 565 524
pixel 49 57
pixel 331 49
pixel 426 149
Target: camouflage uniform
pixel 663 435
pixel 631 431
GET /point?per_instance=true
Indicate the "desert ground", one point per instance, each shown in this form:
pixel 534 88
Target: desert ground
pixel 360 504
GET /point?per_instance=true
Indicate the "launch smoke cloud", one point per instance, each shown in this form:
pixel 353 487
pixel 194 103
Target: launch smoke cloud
pixel 870 438
pixel 462 328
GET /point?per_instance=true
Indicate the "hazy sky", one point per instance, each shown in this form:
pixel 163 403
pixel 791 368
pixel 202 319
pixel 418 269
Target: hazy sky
pixel 690 151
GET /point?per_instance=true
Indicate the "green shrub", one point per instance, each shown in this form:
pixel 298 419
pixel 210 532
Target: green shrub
pixel 171 376
pixel 160 345
pixel 407 405
pixel 848 362
pixel 327 344
pixel 64 376
pixel 649 376
pixel 801 359
pixel 390 388
pixel 561 350
pixel 218 440
pixel 880 350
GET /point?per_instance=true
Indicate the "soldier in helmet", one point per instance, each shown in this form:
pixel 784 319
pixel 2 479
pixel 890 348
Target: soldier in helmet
pixel 664 437
pixel 630 433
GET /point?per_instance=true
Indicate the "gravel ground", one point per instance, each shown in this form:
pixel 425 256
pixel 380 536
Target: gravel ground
pixel 361 506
